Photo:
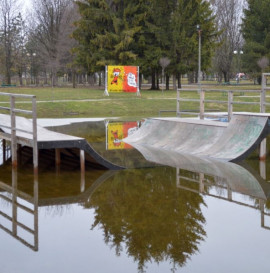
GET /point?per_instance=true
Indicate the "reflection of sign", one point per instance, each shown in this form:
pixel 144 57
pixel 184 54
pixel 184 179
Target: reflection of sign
pixel 119 130
pixel 122 79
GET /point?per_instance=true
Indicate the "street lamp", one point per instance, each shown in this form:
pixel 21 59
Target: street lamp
pixel 31 55
pixel 238 53
pixel 199 56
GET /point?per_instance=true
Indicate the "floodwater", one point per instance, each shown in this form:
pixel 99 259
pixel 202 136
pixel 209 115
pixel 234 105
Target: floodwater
pixel 171 214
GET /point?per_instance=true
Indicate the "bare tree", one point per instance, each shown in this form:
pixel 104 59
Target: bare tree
pixel 263 63
pixel 9 13
pixel 53 25
pixel 164 62
pixel 228 19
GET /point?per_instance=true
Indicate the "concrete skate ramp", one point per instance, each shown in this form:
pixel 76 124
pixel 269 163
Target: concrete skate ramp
pixel 51 140
pixel 231 141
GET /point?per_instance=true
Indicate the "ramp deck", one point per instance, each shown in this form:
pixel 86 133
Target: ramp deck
pixel 47 139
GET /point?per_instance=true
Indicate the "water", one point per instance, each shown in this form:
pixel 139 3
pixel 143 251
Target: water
pixel 176 217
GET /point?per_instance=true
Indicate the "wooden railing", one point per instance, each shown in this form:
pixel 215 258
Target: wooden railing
pixel 230 99
pixel 13 111
pixel 229 102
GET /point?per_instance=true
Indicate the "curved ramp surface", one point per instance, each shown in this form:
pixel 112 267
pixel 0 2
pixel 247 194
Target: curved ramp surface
pixel 238 178
pixel 231 141
pixel 51 140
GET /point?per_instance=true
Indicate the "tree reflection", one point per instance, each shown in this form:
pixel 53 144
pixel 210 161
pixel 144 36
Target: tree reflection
pixel 143 212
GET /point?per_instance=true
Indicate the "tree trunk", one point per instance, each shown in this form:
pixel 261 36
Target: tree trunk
pixel 167 82
pixel 20 78
pixel 191 77
pixel 153 84
pixel 140 81
pixel 99 79
pixel 157 78
pixel 179 80
pixel 174 82
pixel 225 75
pixel 73 79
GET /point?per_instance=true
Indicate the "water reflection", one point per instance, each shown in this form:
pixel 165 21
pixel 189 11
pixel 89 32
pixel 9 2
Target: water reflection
pixel 152 214
pixel 106 139
pixel 142 212
pixel 20 202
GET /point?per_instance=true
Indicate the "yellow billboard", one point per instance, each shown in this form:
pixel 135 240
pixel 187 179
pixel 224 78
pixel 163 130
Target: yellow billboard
pixel 122 79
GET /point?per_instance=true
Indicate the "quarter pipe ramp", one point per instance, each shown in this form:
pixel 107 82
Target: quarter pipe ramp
pixel 231 141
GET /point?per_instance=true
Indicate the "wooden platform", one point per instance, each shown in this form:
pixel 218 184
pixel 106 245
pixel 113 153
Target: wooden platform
pixel 47 139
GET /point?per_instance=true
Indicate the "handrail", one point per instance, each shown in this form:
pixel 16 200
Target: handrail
pixel 14 129
pixel 230 101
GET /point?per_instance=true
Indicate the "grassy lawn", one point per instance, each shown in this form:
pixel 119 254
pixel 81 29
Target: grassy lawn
pixel 85 102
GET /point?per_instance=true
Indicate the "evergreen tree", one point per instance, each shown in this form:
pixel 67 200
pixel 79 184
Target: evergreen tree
pixel 256 32
pixel 140 32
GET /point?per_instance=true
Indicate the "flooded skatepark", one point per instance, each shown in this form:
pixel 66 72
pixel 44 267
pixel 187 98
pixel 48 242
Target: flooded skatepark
pixel 163 212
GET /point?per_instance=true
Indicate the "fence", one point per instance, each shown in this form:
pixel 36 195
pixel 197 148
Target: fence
pixel 13 137
pixel 230 99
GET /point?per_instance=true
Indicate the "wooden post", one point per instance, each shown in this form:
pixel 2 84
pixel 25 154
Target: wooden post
pixel 178 103
pixel 263 169
pixel 202 96
pixel 13 132
pixel 177 177
pixel 35 145
pixel 138 81
pixel 36 212
pixel 14 201
pixel 262 155
pixel 229 193
pixel 4 150
pixel 263 150
pixel 57 160
pixel 106 93
pixel 230 105
pixel 262 100
pixel 201 182
pixel 82 161
pixel 57 157
pixel 261 205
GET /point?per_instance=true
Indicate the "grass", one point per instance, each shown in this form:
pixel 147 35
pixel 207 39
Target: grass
pixel 85 102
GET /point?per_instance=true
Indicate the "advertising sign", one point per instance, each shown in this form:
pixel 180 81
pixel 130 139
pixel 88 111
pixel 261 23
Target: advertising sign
pixel 122 79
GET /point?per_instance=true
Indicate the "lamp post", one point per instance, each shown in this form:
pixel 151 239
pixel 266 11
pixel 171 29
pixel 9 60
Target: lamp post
pixel 238 53
pixel 199 56
pixel 31 55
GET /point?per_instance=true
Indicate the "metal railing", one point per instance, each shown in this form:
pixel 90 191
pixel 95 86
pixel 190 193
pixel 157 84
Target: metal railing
pixel 13 111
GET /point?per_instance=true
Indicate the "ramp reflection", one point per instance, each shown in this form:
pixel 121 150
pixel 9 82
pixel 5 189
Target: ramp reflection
pixel 137 207
pixel 227 178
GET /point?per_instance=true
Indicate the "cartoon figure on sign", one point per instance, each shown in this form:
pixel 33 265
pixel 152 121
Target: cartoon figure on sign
pixel 116 141
pixel 116 73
